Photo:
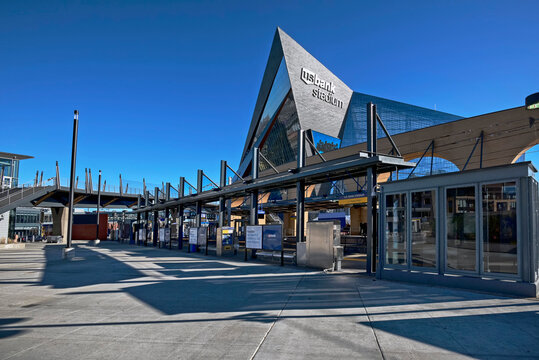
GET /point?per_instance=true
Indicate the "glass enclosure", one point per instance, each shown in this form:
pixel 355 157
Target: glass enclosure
pixel 500 228
pixel 424 228
pixel 461 228
pixel 476 229
pixel 395 228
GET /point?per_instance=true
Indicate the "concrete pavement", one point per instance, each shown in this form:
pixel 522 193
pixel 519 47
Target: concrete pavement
pixel 125 302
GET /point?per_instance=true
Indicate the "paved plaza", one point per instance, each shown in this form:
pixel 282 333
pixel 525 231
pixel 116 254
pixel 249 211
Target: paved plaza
pixel 119 301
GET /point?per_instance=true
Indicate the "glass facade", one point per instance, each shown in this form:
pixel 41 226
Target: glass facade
pixel 461 228
pixel 325 143
pixel 281 145
pixel 397 117
pixel 424 229
pixel 395 228
pixel 500 228
pixel 11 172
pixel 439 166
pixel 279 91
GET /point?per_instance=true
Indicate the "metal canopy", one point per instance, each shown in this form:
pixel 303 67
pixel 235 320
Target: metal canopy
pixel 338 169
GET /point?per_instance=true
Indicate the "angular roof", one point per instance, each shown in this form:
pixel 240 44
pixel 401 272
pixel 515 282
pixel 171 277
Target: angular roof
pixel 321 99
pixel 6 155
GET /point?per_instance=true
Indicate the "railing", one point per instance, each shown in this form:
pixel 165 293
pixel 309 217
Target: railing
pixel 81 186
pixel 19 195
pixel 12 191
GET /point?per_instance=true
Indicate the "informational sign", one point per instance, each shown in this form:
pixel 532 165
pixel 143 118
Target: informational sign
pixel 167 234
pixel 253 238
pixel 162 235
pixel 227 236
pixel 272 237
pixel 202 236
pixel 193 236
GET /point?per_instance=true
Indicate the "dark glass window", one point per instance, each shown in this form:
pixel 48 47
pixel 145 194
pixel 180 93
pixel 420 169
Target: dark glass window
pixel 439 166
pixel 461 228
pixel 279 90
pixel 280 146
pixel 395 228
pixel 325 143
pixel 424 229
pixel 500 228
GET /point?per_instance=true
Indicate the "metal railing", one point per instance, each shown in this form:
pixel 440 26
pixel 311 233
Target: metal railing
pixel 21 194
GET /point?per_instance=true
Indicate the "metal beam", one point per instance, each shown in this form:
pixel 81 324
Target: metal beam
pixel 431 146
pixel 337 169
pixel 109 202
pixel 480 138
pixel 43 198
pixel 393 145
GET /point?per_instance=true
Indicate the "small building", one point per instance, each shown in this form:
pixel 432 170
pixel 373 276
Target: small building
pixel 9 179
pixel 475 229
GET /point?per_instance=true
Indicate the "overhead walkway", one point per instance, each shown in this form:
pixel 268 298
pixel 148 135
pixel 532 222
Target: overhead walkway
pixel 54 195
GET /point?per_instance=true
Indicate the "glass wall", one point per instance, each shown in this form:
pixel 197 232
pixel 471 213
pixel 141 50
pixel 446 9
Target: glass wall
pixel 395 229
pixel 423 168
pixel 281 144
pixel 398 118
pixel 424 229
pixel 461 228
pixel 500 228
pixel 279 91
pixel 325 143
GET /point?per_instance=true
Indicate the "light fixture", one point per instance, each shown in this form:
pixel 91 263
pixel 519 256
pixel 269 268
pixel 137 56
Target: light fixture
pixel 532 101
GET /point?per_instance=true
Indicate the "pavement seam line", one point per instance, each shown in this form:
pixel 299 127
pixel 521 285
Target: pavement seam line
pixel 370 323
pixel 276 318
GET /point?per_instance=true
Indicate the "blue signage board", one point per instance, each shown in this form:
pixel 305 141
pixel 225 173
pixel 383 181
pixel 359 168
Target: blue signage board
pixel 227 236
pixel 272 237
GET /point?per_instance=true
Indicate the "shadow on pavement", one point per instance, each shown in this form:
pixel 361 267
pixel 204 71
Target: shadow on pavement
pixel 178 283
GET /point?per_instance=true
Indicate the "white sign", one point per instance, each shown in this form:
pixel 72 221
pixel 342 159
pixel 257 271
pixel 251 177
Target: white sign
pixel 193 236
pixel 253 238
pixel 162 235
pixel 202 235
pixel 311 78
pixel 142 235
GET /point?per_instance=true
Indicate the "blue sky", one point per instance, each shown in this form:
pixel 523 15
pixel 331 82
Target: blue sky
pixel 166 87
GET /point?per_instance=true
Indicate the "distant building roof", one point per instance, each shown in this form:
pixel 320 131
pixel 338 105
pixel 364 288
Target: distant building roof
pixel 6 155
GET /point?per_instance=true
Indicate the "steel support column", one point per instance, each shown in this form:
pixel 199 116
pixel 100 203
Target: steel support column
pixel 167 225
pixel 181 189
pixel 222 203
pixel 180 227
pixel 253 215
pixel 146 217
pixel 156 241
pixel 137 229
pixel 98 205
pixel 300 190
pixel 371 190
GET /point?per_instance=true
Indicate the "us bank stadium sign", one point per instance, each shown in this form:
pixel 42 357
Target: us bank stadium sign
pixel 326 89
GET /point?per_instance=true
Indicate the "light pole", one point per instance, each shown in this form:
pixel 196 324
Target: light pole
pixel 68 247
pixel 98 205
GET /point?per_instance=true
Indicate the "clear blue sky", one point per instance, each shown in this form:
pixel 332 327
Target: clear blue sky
pixel 166 87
